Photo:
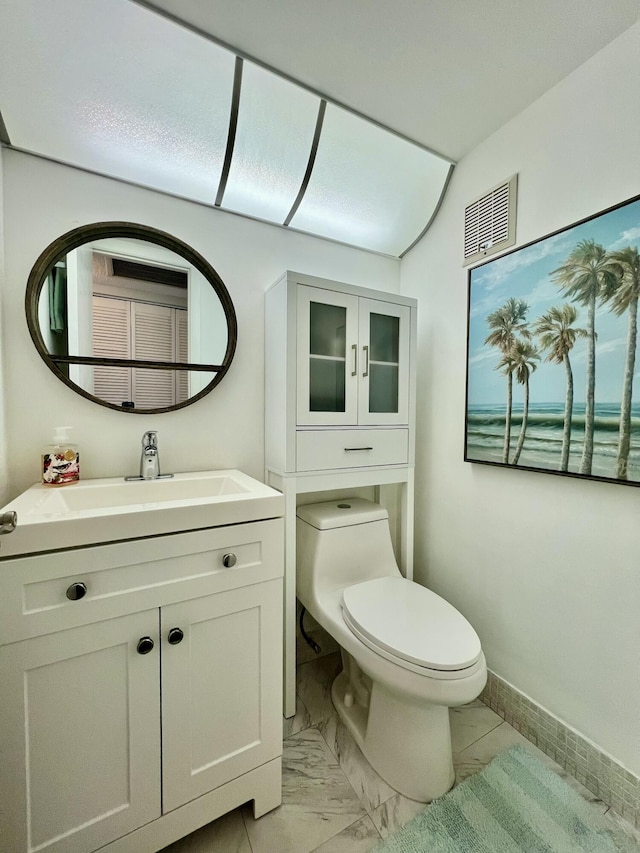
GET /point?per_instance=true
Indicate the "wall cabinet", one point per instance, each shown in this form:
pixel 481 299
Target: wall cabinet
pixel 340 366
pixel 352 360
pixel 151 704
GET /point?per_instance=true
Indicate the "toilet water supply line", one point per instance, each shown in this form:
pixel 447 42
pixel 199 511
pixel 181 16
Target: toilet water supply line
pixel 310 642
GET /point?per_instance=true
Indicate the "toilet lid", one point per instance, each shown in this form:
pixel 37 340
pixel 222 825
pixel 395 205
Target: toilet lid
pixel 404 619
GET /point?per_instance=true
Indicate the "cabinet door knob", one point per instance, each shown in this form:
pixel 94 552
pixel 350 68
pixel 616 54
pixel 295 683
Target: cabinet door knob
pixel 145 644
pixel 76 591
pixel 229 560
pixel 175 636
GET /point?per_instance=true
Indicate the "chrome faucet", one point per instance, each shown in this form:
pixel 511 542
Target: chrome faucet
pixel 150 459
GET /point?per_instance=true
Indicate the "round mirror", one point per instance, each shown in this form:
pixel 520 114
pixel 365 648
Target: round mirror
pixel 130 317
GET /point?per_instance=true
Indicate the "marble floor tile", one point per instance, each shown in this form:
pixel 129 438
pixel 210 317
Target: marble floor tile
pixel 317 800
pixel 314 687
pixel 225 835
pixel 471 722
pixel 623 824
pixel 297 723
pixel 314 680
pixel 394 813
pixel 357 838
pixel 476 756
pixel 371 789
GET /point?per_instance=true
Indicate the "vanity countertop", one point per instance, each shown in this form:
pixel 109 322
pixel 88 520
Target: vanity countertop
pixel 111 510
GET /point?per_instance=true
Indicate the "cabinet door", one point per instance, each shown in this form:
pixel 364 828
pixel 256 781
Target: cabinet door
pixel 384 336
pixel 80 736
pixel 221 689
pixel 327 357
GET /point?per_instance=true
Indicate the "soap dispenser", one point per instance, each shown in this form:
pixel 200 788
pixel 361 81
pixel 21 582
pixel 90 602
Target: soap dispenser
pixel 60 460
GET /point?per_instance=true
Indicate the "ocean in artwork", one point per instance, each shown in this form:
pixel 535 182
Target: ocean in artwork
pixel 559 319
pixel 543 442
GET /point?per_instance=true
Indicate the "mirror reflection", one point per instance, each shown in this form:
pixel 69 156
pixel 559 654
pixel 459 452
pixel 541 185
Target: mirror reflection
pixel 133 324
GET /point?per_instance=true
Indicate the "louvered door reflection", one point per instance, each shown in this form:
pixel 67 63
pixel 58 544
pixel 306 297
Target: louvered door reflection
pixel 181 377
pixel 111 339
pixel 153 339
pixel 128 329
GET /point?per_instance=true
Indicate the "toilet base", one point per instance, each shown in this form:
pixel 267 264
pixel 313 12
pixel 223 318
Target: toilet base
pixel 408 744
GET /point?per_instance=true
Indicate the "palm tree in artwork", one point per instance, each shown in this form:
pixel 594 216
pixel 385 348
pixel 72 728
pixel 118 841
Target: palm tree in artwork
pixel 506 324
pixel 585 275
pixel 521 361
pixel 557 334
pixel 623 296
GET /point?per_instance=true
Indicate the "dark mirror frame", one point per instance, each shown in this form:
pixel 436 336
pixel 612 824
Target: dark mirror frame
pixel 103 230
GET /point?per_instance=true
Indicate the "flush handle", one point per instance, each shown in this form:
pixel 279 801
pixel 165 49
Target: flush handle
pixel 8 522
pixel 76 591
pixel 229 561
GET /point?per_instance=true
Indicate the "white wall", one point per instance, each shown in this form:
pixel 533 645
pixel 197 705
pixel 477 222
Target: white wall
pixel 546 568
pixel 44 200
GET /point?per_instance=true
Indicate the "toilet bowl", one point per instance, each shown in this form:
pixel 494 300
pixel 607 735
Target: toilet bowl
pixel 407 654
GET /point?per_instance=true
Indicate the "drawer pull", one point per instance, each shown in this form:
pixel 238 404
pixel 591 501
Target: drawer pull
pixel 76 591
pixel 175 636
pixel 350 449
pixel 229 561
pixel 145 644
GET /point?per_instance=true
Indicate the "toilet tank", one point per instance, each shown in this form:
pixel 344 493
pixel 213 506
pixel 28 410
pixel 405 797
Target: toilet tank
pixel 340 543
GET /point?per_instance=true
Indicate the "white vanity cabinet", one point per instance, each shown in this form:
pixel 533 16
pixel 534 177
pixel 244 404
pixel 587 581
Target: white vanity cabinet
pixel 340 378
pixel 141 688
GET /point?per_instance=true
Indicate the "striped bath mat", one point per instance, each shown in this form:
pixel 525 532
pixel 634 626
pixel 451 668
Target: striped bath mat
pixel 515 805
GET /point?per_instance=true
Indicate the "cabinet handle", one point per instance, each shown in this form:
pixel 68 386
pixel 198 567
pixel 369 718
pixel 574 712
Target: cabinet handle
pixel 349 449
pixel 175 636
pixel 76 591
pixel 145 644
pixel 229 561
pixel 365 372
pixel 354 347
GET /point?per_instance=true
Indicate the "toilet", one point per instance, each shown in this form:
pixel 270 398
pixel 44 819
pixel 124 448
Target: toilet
pixel 407 654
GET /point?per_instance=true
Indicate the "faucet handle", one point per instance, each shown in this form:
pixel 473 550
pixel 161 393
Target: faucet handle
pixel 150 439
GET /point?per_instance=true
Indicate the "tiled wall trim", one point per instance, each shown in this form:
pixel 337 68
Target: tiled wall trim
pixel 598 772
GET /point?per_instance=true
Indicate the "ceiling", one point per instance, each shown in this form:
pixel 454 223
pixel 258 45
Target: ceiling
pixel 446 73
pixel 339 118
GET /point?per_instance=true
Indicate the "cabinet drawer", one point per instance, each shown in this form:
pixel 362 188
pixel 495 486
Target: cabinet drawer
pixel 129 576
pixel 317 450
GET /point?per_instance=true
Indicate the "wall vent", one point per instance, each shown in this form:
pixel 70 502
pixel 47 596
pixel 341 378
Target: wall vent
pixel 490 222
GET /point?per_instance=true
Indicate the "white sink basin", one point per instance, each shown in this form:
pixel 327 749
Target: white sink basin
pixel 114 494
pixel 110 510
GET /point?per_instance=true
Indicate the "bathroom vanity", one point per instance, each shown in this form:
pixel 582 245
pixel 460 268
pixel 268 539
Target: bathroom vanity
pixel 339 406
pixel 140 661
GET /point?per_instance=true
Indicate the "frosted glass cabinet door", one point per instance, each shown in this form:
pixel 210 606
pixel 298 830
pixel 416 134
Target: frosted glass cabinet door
pixel 384 363
pixel 327 352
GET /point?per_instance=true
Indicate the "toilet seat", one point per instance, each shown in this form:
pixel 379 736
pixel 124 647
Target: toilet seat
pixel 411 626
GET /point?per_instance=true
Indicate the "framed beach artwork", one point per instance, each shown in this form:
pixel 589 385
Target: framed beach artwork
pixel 552 377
